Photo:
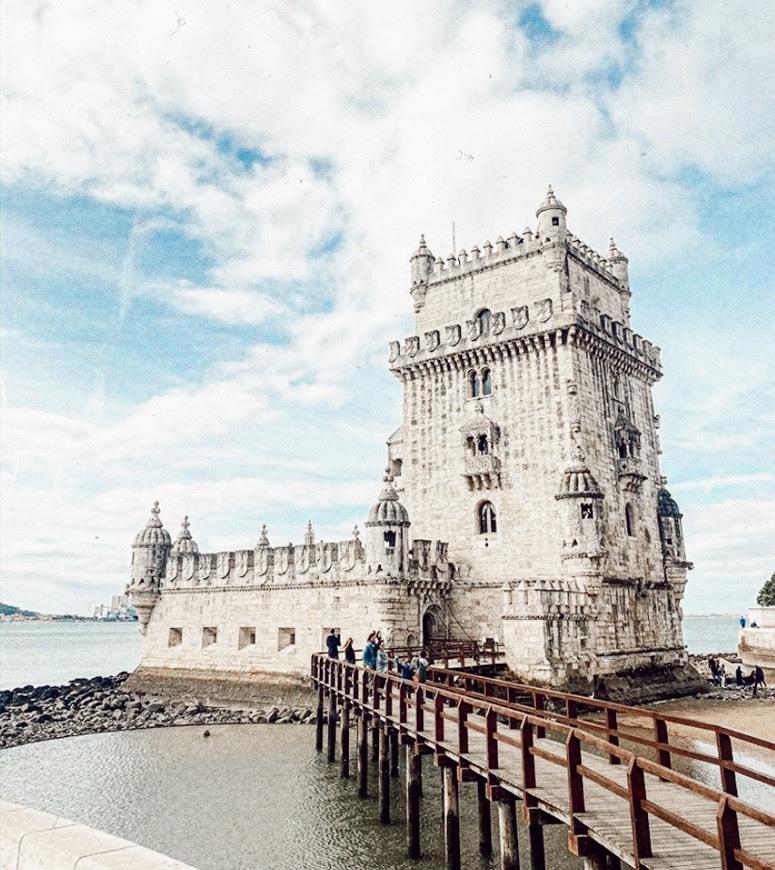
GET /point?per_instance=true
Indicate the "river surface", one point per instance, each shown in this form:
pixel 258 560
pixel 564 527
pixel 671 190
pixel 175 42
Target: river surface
pixel 253 796
pixel 53 653
pixel 256 797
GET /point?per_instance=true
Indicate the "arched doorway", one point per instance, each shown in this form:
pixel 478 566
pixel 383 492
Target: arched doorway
pixel 433 627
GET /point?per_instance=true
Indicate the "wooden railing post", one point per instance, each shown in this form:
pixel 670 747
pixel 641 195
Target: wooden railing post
pixel 528 763
pixel 419 710
pixel 660 734
pixel 728 835
pixel 319 719
pixel 389 683
pixel 463 708
pixel 402 694
pixel 639 818
pixel 612 733
pixel 575 779
pixel 725 756
pixel 571 711
pixel 491 720
pixel 438 717
pixel 538 703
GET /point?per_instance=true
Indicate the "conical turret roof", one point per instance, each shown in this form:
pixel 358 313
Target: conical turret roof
pixel 154 533
pixel 184 543
pixel 388 511
pixel 551 201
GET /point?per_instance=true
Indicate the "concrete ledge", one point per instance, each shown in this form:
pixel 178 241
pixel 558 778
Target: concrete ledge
pixel 34 840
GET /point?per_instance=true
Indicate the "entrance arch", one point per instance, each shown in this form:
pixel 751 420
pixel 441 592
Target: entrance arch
pixel 433 626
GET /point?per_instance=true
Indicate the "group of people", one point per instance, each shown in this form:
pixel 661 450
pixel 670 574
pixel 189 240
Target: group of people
pixel 377 657
pixel 718 676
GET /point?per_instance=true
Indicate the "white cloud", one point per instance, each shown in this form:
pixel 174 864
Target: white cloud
pixel 363 125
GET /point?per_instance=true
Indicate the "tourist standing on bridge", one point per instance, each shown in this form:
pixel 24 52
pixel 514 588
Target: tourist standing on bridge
pixel 332 642
pixel 370 652
pixel 349 652
pixel 382 660
pixel 739 676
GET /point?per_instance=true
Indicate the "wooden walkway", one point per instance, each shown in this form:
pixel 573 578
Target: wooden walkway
pixel 619 805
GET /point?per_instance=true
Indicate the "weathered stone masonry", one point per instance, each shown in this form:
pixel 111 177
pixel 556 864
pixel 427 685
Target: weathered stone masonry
pixel 526 467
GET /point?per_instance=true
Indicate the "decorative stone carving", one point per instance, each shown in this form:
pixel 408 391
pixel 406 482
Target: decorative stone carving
pixel 519 316
pixel 432 340
pixel 498 322
pixel 544 310
pixel 454 335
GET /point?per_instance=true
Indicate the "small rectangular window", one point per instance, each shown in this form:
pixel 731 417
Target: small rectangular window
pixel 285 637
pixel 209 636
pixel 175 637
pixel 587 511
pixel 247 637
pixel 555 221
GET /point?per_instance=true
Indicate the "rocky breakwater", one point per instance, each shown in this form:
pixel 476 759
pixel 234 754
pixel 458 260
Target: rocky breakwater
pixel 91 706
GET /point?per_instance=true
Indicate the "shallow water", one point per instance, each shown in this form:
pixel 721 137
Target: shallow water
pixel 249 796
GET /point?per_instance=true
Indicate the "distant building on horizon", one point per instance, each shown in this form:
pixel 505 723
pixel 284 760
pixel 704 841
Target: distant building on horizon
pixel 522 499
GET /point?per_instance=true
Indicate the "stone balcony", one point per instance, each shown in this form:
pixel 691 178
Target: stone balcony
pixel 482 471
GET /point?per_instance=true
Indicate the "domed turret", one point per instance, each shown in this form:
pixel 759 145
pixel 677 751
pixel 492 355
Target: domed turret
pixel 184 543
pixel 149 556
pixel 581 509
pixel 551 218
pixel 386 532
pixel 670 527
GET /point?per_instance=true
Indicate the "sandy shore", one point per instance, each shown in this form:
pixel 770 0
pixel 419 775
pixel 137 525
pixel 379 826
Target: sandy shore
pixel 751 716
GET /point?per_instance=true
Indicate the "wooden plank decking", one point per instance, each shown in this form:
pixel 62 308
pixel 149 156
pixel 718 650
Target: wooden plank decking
pixel 569 775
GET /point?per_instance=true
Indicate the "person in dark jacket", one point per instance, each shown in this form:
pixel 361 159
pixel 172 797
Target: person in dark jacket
pixel 349 652
pixel 758 679
pixel 332 642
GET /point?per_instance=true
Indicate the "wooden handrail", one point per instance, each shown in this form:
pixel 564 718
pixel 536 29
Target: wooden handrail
pixel 482 713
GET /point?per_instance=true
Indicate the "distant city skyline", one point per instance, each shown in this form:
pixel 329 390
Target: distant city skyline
pixel 207 220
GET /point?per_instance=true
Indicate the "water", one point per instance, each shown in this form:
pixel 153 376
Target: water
pixel 249 796
pixel 53 653
pixel 711 634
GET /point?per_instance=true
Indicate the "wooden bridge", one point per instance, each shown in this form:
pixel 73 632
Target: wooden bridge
pixel 571 760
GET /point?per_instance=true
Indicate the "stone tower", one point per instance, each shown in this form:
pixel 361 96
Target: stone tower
pixel 529 442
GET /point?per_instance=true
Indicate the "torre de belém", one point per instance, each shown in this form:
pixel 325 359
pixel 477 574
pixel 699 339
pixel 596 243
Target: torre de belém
pixel 522 499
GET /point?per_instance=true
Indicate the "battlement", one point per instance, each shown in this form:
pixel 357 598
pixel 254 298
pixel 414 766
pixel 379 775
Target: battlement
pixel 436 270
pixel 325 563
pixel 520 322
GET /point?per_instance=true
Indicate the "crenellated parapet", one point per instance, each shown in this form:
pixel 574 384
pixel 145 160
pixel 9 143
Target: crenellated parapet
pixel 519 327
pixel 326 562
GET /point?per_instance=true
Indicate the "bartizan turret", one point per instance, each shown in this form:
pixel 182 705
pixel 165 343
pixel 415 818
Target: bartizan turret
pixel 551 218
pixel 581 507
pixel 150 550
pixel 671 535
pixel 387 533
pixel 422 266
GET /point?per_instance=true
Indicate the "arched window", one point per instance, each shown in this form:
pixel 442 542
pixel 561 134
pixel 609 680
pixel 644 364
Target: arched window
pixel 471 445
pixel 483 318
pixel 629 519
pixel 486 382
pixel 482 446
pixel 487 523
pixel 587 511
pixel 390 541
pixel 473 384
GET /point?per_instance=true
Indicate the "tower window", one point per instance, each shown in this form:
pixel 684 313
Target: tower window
pixel 473 384
pixel 587 511
pixel 555 221
pixel 175 637
pixel 629 520
pixel 390 541
pixel 471 445
pixel 486 382
pixel 483 317
pixel 209 636
pixel 482 445
pixel 487 524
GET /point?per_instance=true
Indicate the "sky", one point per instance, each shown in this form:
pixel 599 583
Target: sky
pixel 208 210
